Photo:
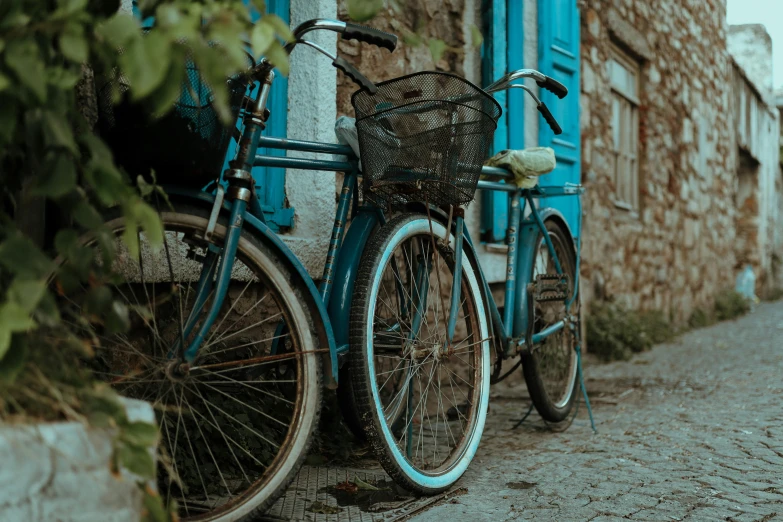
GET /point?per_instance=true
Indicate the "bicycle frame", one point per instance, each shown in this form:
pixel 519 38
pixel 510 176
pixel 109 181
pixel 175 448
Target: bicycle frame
pixel 340 269
pixel 522 236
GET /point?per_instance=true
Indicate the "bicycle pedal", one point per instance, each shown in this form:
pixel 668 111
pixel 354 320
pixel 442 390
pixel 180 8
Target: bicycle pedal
pixel 550 287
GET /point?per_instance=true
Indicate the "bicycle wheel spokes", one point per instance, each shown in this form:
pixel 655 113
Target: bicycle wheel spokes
pixel 230 419
pixel 424 381
pixel 550 367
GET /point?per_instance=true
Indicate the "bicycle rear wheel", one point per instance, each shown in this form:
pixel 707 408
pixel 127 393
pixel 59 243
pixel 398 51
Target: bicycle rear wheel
pixel 423 404
pixel 236 424
pixel 550 367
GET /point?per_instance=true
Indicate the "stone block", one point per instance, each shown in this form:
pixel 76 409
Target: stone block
pixel 61 472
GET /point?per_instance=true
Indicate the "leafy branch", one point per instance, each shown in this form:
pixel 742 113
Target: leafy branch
pixel 57 293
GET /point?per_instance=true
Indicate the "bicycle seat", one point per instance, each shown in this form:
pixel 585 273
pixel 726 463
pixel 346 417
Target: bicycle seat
pixel 525 164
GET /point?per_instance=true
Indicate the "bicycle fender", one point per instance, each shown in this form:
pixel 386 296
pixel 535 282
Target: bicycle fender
pixel 345 276
pixel 552 214
pixel 314 302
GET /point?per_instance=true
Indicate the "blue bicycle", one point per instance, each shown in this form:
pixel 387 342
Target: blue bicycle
pixel 228 331
pixel 423 319
pixel 231 338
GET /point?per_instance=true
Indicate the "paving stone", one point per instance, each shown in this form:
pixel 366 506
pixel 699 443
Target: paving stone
pixel 707 450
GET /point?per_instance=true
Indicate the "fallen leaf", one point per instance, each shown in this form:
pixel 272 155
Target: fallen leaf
pixel 325 509
pixel 520 485
pixel 364 485
pixel 348 487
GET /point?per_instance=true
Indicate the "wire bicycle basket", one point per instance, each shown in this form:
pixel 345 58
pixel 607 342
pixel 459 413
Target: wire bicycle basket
pixel 187 146
pixel 423 138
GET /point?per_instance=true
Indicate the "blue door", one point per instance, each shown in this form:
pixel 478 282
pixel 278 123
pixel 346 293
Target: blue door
pixel 494 64
pixel 558 57
pixel 270 182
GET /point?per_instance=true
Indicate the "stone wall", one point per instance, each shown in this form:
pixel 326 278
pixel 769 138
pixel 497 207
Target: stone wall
pixel 61 472
pixel 678 251
pixel 447 20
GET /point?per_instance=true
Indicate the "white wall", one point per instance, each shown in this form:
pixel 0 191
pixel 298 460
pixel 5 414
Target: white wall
pixel 751 46
pixel 757 126
pixel 312 110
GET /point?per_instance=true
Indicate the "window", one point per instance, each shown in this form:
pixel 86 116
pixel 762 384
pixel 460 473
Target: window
pixel 624 77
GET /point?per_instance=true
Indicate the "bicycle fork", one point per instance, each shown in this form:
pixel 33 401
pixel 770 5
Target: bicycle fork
pixel 241 193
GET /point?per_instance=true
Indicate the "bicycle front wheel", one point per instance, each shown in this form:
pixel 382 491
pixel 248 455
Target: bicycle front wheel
pixel 422 401
pixel 236 424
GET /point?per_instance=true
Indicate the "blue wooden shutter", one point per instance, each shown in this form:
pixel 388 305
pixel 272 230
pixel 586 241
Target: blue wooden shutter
pixel 494 205
pixel 270 182
pixel 559 57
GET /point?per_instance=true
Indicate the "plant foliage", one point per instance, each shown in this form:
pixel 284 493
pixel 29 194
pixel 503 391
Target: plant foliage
pixel 53 294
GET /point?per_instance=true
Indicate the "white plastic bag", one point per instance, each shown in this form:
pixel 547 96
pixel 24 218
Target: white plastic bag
pixel 746 284
pixel 345 130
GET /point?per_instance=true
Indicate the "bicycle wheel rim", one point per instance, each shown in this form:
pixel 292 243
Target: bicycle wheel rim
pixel 450 469
pixel 300 397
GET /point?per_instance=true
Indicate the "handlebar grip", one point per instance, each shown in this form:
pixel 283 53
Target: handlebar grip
pixel 370 36
pixel 544 110
pixel 357 77
pixel 552 85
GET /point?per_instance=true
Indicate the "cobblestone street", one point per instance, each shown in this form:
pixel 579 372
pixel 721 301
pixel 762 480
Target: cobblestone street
pixel 692 430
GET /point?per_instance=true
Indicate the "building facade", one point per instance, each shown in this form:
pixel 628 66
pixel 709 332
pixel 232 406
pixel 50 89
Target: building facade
pixel 674 207
pixel 668 133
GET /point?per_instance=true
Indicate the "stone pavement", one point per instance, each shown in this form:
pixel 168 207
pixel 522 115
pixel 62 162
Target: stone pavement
pixel 692 430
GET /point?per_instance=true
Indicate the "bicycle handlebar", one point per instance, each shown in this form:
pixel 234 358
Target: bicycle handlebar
pixel 553 86
pixel 369 35
pixel 543 81
pixel 348 31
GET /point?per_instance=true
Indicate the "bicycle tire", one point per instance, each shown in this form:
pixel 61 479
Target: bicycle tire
pixel 299 383
pixel 408 470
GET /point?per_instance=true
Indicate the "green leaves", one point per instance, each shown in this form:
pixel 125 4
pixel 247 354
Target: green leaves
pixel 22 258
pixel 279 58
pixel 57 132
pixel 138 213
pixel 437 48
pixel 279 26
pixel 261 37
pixel 476 38
pixel 120 29
pixel 13 319
pixel 58 177
pixel 137 459
pixel 146 61
pixel 363 10
pixel 13 361
pixel 140 434
pixel 22 57
pixel 26 293
pixel 73 44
